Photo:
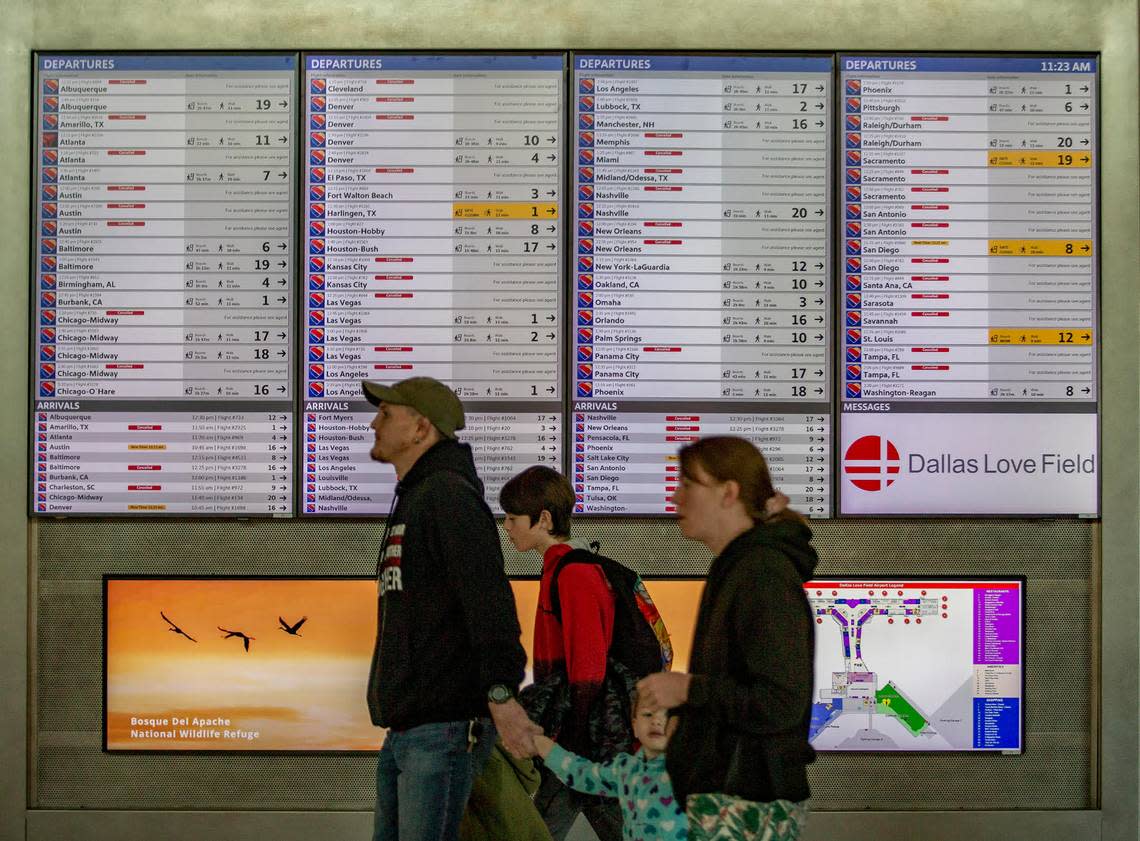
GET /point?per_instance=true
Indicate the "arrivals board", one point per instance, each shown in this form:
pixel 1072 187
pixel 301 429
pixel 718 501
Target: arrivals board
pixel 433 247
pixel 918 665
pixel 701 271
pixel 163 266
pixel 969 309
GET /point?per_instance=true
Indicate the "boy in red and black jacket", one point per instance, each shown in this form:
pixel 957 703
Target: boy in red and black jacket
pixel 538 503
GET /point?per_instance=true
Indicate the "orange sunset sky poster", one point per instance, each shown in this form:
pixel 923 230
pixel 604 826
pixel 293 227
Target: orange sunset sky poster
pixel 302 692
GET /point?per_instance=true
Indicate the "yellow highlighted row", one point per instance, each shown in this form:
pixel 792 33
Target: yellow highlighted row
pixel 1041 247
pixel 504 210
pixel 1013 336
pixel 1080 160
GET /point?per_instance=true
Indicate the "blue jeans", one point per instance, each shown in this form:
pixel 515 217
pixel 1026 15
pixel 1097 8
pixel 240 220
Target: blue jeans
pixel 423 779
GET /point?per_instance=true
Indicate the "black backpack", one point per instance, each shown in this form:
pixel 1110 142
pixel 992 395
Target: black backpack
pixel 640 640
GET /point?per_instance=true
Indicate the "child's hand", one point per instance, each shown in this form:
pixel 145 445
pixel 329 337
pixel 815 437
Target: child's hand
pixel 543 745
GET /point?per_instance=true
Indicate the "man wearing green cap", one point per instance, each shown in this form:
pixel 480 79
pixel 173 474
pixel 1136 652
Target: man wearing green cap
pixel 447 649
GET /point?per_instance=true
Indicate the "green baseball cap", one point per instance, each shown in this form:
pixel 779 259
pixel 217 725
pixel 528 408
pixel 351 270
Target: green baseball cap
pixel 429 397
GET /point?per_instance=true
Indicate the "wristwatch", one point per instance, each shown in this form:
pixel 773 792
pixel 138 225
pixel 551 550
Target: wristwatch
pixel 499 694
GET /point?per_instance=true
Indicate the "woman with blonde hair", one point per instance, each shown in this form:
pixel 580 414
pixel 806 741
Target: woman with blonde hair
pixel 739 757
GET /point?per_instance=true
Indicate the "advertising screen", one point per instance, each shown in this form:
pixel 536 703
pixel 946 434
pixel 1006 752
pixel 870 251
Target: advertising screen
pixel 918 665
pixel 433 247
pixel 969 339
pixel 264 664
pixel 701 271
pixel 163 284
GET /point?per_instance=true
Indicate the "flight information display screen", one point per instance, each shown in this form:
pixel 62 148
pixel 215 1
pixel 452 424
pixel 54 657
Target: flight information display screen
pixel 433 247
pixel 701 271
pixel 969 303
pixel 163 273
pixel 918 665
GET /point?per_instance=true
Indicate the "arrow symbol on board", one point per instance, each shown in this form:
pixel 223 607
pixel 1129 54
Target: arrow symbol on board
pixel 819 123
pixel 819 88
pixel 819 212
pixel 552 139
pixel 819 265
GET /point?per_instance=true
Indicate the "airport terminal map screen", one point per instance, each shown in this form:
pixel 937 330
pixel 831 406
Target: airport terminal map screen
pixel 918 665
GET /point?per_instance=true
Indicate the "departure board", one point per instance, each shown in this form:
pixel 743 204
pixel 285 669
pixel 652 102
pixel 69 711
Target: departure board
pixel 433 242
pixel 701 271
pixel 163 266
pixel 970 285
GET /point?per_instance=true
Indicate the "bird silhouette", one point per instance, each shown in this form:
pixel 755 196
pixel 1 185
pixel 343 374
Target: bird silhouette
pixel 291 629
pixel 245 640
pixel 174 629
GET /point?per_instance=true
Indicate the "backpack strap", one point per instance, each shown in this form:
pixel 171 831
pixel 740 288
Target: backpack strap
pixel 574 556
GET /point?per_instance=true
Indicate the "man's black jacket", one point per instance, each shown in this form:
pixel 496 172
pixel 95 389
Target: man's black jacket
pixel 447 624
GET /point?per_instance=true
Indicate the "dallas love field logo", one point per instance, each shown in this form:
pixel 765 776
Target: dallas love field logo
pixel 871 463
